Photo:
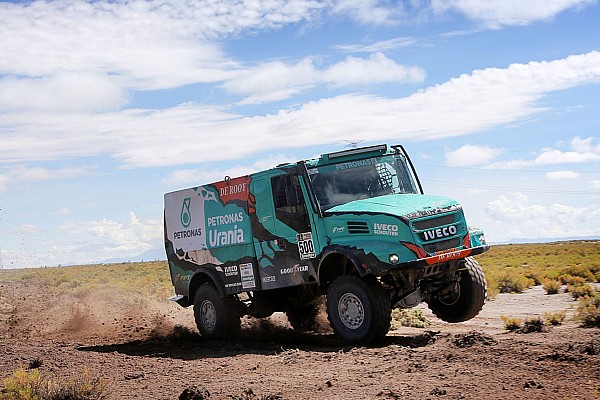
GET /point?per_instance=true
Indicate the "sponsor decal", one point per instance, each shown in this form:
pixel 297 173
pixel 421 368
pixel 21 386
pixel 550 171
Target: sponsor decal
pixel 247 273
pixel 338 229
pixel 440 233
pixel 233 189
pixel 385 229
pixel 294 269
pixel 306 247
pixel 356 164
pixel 182 278
pixel 231 271
pixel 234 235
pixel 234 284
pixel 270 278
pixel 186 216
pixel 187 234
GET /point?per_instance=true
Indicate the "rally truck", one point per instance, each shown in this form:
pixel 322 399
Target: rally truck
pixel 353 227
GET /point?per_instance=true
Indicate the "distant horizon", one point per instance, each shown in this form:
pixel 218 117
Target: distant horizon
pixel 140 260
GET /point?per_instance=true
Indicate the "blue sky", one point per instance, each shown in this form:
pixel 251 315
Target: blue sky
pixel 105 106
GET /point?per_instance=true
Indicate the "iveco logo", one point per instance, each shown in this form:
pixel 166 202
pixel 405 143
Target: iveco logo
pixel 440 232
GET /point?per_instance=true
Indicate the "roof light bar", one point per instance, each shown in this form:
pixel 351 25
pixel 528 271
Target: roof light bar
pixel 382 148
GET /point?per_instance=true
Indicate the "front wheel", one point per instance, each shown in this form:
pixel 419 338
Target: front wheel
pixel 215 316
pixel 359 311
pixel 468 297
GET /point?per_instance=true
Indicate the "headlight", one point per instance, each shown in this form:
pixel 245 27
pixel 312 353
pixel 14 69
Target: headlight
pixel 394 258
pixel 482 239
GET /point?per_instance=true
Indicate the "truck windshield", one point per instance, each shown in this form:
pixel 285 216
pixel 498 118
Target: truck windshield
pixel 344 182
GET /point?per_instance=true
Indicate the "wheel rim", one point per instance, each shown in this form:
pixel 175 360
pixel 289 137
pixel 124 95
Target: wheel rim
pixel 452 297
pixel 351 311
pixel 208 315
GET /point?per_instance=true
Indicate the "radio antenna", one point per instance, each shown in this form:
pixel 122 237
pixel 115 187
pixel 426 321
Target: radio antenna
pixel 353 143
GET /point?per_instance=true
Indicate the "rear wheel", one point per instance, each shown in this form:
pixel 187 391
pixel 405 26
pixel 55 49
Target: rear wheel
pixel 216 317
pixel 467 298
pixel 359 311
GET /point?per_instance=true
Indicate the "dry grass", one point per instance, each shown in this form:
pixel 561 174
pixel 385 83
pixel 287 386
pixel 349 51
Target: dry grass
pixel 588 311
pixel 32 385
pixel 141 281
pixel 519 266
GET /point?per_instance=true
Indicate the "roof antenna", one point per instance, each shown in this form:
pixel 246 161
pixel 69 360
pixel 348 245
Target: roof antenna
pixel 352 143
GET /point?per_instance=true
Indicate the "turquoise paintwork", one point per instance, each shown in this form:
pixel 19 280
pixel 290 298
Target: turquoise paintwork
pixel 395 204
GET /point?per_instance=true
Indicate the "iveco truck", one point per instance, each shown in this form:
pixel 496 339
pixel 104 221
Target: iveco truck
pixel 352 226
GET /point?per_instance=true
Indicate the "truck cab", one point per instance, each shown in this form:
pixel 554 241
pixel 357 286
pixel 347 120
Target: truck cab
pixel 353 227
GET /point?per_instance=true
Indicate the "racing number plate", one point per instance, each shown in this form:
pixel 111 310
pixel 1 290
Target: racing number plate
pixel 306 246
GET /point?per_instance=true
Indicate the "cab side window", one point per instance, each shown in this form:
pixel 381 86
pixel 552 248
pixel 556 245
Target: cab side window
pixel 290 207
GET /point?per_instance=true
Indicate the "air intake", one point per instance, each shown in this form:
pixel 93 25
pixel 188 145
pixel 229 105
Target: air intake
pixel 358 227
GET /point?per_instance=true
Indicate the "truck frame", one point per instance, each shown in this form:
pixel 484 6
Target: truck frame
pixel 352 226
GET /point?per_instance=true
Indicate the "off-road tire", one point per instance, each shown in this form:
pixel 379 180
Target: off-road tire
pixel 216 317
pixel 359 310
pixel 303 318
pixel 470 300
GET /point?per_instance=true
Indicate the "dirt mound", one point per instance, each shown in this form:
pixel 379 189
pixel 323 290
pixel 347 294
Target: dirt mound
pixel 470 339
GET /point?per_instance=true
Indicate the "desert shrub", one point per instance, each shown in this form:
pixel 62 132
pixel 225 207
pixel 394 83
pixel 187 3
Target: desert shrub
pixel 588 311
pixel 552 286
pixel 31 385
pixel 533 324
pixel 597 275
pixel 569 279
pixel 555 318
pixel 510 323
pixel 580 270
pixel 584 290
pixel 513 282
pixel 412 318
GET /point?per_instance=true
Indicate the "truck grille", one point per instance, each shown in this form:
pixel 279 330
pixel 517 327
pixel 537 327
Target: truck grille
pixel 438 233
pixel 434 222
pixel 355 227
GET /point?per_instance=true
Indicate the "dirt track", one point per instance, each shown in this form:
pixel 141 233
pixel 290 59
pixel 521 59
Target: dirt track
pixel 149 351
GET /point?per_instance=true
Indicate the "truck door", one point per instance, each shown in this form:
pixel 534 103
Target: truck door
pixel 286 245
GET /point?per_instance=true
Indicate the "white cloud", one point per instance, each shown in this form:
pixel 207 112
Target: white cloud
pixel 469 155
pixel 378 47
pixel 104 239
pixel 369 11
pixel 519 219
pixel 562 175
pixel 374 70
pixel 65 91
pixel 202 176
pixel 277 81
pixel 186 134
pixel 19 174
pixel 594 184
pixel 582 151
pixel 145 45
pixel 497 13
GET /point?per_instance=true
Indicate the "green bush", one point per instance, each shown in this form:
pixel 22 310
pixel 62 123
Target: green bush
pixel 588 311
pixel 552 286
pixel 555 318
pixel 412 318
pixel 510 323
pixel 31 385
pixel 584 290
pixel 533 324
pixel 513 282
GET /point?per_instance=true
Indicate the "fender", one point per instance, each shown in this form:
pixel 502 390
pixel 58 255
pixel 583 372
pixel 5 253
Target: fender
pixel 353 254
pixel 205 274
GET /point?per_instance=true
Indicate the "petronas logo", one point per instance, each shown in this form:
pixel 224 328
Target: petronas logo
pixel 186 215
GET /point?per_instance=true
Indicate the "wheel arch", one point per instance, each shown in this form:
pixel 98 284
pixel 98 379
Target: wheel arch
pixel 205 275
pixel 335 262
